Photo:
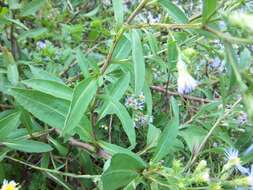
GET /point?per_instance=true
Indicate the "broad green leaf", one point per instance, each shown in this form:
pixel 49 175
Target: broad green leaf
pixel 50 110
pixel 115 149
pixel 31 7
pixel 118 11
pixel 83 63
pixel 50 87
pixel 172 54
pixel 82 96
pixel 174 11
pixel 166 140
pixel 115 91
pixel 139 63
pixel 8 124
pixel 43 106
pixel 115 179
pixel 12 70
pixel 209 8
pixel 30 146
pixel 41 74
pixel 126 161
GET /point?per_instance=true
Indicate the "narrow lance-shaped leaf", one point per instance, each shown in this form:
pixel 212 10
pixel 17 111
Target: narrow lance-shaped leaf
pixel 8 124
pixel 30 146
pixel 45 107
pixel 82 96
pixel 232 60
pixel 139 63
pixel 115 91
pixel 50 87
pixel 209 8
pixel 126 121
pixel 118 11
pixel 83 63
pixel 12 70
pixel 166 140
pixel 172 54
pixel 176 13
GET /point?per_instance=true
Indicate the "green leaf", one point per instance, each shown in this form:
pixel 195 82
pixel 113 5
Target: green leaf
pixel 117 178
pixel 31 7
pixel 122 49
pixel 50 87
pixel 166 140
pixel 83 63
pixel 118 11
pixel 172 54
pixel 35 33
pixel 12 70
pixel 41 74
pixel 139 63
pixel 17 22
pixel 82 96
pixel 8 124
pixel 122 170
pixel 126 161
pixel 126 120
pixel 232 60
pixel 30 146
pixel 174 11
pixel 45 107
pixel 61 149
pixel 115 149
pixel 152 136
pixel 209 8
pixel 14 4
pixel 115 91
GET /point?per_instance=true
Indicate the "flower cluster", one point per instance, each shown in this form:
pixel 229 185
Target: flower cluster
pixel 135 102
pixel 142 120
pixel 12 185
pixel 185 82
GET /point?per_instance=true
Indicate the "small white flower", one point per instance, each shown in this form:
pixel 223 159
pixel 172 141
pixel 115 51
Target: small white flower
pixel 12 185
pixel 185 82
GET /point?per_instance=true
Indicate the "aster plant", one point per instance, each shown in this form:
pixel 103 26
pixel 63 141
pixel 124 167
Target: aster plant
pixel 126 94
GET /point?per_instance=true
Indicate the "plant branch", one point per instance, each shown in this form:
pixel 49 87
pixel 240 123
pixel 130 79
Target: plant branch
pixel 194 98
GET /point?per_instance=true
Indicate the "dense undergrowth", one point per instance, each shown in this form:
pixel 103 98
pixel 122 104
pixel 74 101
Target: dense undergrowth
pixel 126 94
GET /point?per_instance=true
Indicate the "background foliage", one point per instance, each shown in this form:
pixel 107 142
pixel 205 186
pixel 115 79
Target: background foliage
pixel 88 94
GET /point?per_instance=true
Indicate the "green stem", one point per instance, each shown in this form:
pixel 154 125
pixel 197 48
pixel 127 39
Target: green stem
pixel 200 147
pixel 53 171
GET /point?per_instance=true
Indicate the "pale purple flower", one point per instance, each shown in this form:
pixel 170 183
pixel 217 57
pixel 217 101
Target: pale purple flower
pixel 185 82
pixel 41 44
pixel 233 160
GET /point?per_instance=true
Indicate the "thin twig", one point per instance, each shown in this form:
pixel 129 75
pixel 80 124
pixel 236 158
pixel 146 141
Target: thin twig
pixel 52 170
pixel 216 124
pixel 194 98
